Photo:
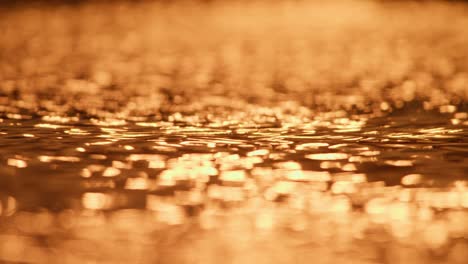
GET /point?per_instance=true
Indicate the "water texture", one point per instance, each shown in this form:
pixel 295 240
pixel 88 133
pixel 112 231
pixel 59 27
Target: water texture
pixel 234 132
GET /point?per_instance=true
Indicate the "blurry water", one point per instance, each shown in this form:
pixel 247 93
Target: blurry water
pixel 127 138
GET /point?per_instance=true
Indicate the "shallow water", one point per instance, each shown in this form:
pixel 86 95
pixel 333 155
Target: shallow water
pixel 124 142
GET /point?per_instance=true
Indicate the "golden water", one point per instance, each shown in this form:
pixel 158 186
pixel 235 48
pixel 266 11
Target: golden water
pixel 223 132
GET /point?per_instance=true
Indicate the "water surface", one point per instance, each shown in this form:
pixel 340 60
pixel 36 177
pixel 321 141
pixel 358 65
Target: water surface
pixel 125 138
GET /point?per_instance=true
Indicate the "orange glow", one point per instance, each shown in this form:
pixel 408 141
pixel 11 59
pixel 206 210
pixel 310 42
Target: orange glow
pixel 95 201
pixel 201 131
pixel 17 163
pixel 327 156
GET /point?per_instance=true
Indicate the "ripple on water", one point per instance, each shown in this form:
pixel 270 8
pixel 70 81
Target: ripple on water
pixel 211 149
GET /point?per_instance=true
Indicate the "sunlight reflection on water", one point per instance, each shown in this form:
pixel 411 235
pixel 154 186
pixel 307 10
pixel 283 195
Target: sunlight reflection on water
pixel 304 191
pixel 123 142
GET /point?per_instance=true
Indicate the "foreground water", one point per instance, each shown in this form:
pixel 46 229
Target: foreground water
pixel 122 141
pixel 332 185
